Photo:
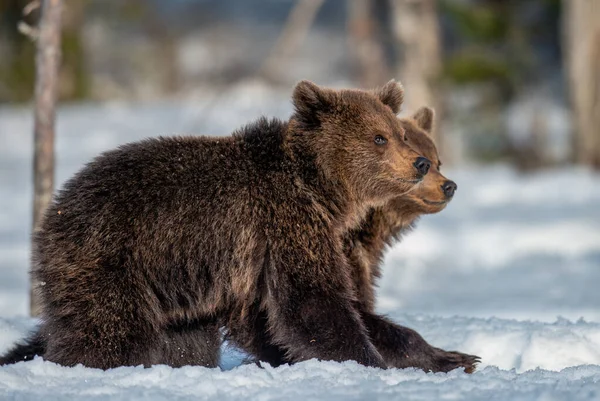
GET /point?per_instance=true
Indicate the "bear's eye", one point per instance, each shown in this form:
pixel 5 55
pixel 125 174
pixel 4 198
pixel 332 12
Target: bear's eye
pixel 380 140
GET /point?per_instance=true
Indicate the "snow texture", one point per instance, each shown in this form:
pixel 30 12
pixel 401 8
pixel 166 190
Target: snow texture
pixel 509 272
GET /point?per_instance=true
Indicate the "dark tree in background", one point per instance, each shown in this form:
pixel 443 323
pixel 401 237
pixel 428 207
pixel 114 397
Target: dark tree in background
pixel 17 72
pixel 17 67
pixel 47 63
pixel 162 36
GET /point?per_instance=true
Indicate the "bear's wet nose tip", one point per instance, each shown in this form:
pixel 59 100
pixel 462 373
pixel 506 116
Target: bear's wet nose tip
pixel 449 188
pixel 422 165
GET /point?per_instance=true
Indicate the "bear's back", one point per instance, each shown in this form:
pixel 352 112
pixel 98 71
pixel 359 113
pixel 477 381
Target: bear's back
pixel 142 178
pixel 196 191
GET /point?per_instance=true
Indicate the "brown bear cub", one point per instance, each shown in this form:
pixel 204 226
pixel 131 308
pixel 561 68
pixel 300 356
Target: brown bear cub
pixel 152 247
pixel 364 245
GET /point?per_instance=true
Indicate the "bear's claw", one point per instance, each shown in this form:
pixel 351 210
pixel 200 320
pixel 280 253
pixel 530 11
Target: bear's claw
pixel 446 361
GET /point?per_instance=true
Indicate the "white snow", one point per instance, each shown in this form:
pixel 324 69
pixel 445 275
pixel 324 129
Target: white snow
pixel 509 271
pixel 305 381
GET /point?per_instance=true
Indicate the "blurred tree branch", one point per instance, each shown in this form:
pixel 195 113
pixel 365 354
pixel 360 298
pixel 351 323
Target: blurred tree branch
pixel 26 29
pixel 31 7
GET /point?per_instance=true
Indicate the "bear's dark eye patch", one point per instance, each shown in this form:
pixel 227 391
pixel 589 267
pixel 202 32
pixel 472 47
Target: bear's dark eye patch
pixel 380 140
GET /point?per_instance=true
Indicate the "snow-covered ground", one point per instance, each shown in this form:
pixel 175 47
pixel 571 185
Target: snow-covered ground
pixel 509 271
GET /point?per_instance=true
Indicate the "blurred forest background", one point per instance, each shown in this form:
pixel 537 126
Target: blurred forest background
pixel 515 81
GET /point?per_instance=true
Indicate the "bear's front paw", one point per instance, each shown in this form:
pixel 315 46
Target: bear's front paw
pixel 445 361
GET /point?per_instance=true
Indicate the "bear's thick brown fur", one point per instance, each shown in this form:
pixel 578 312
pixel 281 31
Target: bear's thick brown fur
pixel 152 247
pixel 364 246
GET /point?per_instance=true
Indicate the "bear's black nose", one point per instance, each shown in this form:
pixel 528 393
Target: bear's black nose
pixel 422 165
pixel 449 187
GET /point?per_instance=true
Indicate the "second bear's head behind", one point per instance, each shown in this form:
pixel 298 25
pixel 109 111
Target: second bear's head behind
pixel 356 139
pixel 433 194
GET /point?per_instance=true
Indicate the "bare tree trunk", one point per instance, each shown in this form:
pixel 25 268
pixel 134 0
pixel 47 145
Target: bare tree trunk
pixel 295 30
pixel 417 32
pixel 46 87
pixel 365 48
pixel 582 59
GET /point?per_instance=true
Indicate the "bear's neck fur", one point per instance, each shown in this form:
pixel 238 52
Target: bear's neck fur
pixel 331 188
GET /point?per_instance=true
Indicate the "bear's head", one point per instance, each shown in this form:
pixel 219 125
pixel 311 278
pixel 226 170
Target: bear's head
pixel 357 140
pixel 435 191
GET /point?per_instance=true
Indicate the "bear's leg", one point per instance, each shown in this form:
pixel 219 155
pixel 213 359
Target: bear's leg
pixel 402 347
pixel 318 324
pixel 195 343
pixel 309 298
pixel 98 346
pixel 101 317
pixel 251 334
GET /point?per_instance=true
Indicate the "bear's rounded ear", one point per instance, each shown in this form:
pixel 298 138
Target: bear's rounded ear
pixel 310 101
pixel 392 95
pixel 424 118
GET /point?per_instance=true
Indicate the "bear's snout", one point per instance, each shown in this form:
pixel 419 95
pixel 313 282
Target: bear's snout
pixel 449 187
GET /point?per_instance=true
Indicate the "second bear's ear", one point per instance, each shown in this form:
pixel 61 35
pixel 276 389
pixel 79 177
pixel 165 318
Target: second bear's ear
pixel 424 118
pixel 392 95
pixel 310 101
